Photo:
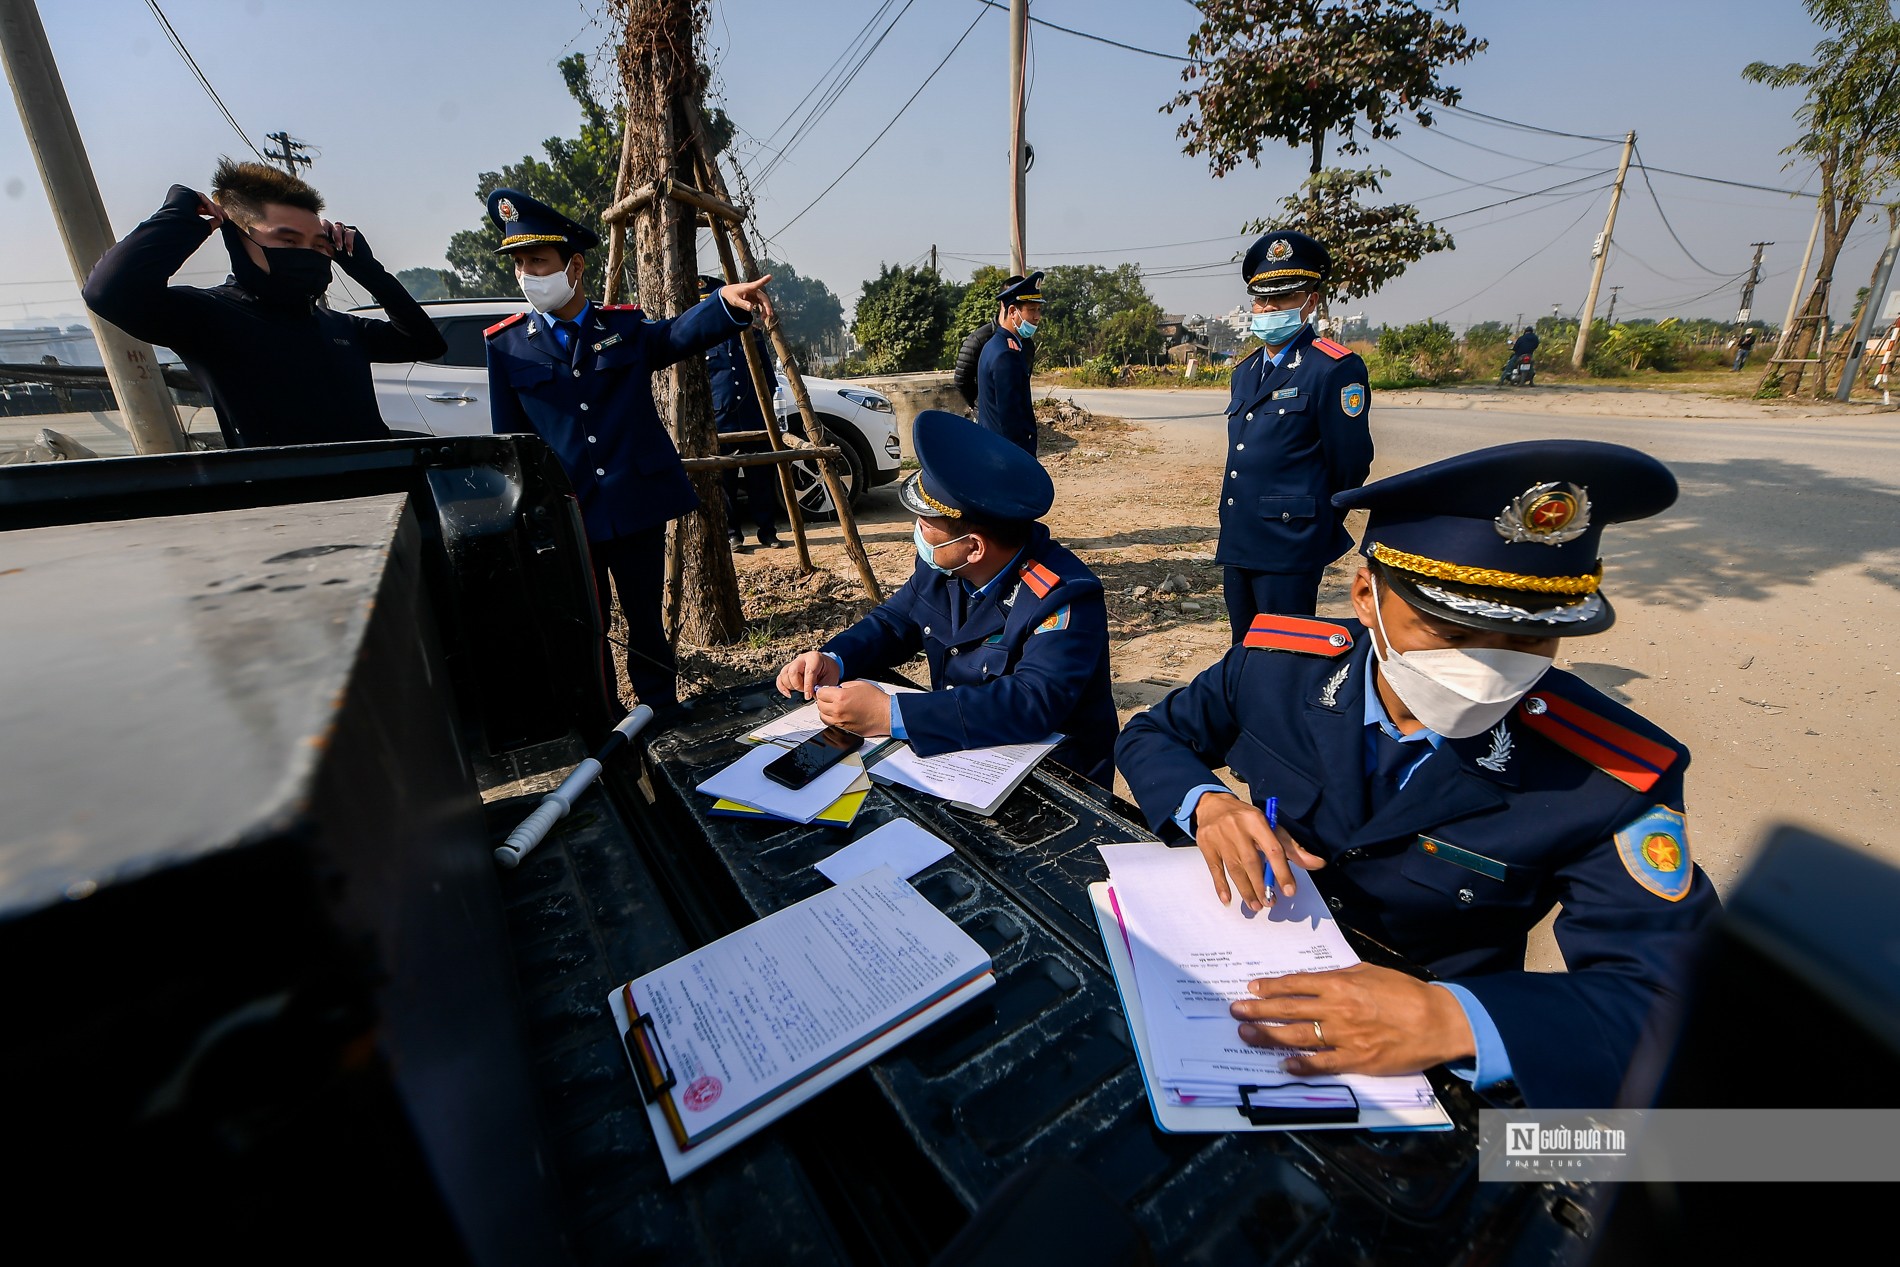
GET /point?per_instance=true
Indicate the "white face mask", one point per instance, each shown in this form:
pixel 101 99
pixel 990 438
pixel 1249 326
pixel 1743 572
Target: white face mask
pixel 1455 692
pixel 547 293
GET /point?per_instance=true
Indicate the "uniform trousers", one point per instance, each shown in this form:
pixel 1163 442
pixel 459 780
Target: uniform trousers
pixel 1251 593
pixel 757 487
pixel 637 564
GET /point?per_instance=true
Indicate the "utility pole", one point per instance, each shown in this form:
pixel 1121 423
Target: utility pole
pixel 1747 309
pixel 1609 318
pixel 287 154
pixel 1871 311
pixel 1602 253
pixel 1783 343
pixel 1018 44
pixel 933 261
pixel 60 153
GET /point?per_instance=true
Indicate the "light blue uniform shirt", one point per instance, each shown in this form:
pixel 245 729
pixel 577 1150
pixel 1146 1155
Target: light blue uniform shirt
pixel 1493 1064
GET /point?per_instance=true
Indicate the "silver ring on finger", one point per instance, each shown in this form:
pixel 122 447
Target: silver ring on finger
pixel 1319 1039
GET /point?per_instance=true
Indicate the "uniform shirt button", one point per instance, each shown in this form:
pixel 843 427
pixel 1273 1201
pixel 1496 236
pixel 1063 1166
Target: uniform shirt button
pixel 1286 516
pixel 1249 417
pixel 600 470
pixel 577 373
pixel 1282 411
pixel 583 406
pixel 1233 475
pixel 591 440
pixel 1230 501
pixel 1467 896
pixel 1242 445
pixel 954 650
pixel 1338 904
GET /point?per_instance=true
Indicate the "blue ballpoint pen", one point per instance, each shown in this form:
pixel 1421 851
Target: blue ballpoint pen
pixel 1273 812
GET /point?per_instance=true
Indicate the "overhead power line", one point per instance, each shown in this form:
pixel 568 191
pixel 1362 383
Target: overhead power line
pixel 1107 250
pixel 1672 229
pixel 1099 39
pixel 887 127
pixel 203 82
pixel 834 89
pixel 1527 127
pixel 1588 208
pixel 1535 193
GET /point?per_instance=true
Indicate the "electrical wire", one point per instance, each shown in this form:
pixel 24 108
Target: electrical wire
pixel 1672 228
pixel 1099 39
pixel 1535 193
pixel 1520 264
pixel 1495 121
pixel 1115 250
pixel 203 82
pixel 887 127
pixel 833 92
pixel 1444 133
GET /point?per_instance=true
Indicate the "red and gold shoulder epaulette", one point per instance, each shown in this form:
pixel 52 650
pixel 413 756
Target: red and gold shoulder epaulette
pixel 1013 345
pixel 1291 633
pixel 1616 750
pixel 503 324
pixel 1338 351
pixel 1039 579
pixel 620 307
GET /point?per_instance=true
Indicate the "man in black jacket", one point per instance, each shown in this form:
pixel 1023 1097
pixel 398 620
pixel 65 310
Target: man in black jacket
pixel 279 368
pixel 970 355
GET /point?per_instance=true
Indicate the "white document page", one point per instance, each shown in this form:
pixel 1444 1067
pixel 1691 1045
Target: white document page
pixel 759 1011
pixel 788 730
pixel 900 844
pixel 976 778
pixel 744 781
pixel 1197 955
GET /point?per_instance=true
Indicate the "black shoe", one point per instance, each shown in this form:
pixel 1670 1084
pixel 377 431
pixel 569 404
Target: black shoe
pixel 736 541
pixel 770 541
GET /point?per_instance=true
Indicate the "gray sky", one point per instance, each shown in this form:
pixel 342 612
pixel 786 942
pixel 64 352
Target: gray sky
pixel 406 102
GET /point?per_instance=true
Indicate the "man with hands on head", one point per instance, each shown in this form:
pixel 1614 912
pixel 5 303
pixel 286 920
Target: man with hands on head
pixel 279 368
pixel 1446 786
pixel 1013 625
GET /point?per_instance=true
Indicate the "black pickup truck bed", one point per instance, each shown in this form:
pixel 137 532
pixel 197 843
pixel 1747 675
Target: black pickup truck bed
pixel 264 972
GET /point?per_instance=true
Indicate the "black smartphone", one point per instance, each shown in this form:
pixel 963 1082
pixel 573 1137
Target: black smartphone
pixel 813 757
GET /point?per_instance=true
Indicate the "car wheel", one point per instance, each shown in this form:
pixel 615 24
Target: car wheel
pixel 814 499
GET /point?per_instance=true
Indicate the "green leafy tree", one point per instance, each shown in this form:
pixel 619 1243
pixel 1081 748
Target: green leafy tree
pixel 900 320
pixel 1370 245
pixel 1300 71
pixel 1423 351
pixel 426 284
pixel 1852 92
pixel 1079 301
pixel 1489 334
pixel 809 314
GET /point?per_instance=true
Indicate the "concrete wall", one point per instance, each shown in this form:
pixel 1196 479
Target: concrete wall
pixel 910 393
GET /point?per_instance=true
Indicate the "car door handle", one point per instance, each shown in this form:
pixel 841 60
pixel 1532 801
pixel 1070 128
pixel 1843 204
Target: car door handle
pixel 450 398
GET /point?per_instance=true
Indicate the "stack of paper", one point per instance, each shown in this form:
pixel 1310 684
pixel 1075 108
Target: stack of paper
pixel 1188 957
pixel 834 797
pixel 733 1035
pixel 788 730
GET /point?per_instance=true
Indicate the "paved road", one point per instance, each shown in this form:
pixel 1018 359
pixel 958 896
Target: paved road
pixel 1757 616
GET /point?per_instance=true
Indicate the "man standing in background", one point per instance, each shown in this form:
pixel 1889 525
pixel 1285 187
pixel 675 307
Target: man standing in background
pixel 1003 403
pixel 737 407
pixel 1297 432
pixel 971 353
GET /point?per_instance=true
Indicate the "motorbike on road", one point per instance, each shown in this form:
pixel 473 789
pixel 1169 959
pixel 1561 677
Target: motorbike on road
pixel 1518 372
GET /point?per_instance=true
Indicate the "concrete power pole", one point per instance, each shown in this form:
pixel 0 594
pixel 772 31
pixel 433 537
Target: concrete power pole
pixel 1609 318
pixel 1603 255
pixel 288 154
pixel 1746 311
pixel 60 153
pixel 1871 312
pixel 1018 31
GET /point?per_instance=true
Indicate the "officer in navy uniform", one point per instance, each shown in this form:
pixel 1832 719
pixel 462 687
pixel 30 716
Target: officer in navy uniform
pixel 1003 403
pixel 1297 432
pixel 579 375
pixel 737 407
pixel 1447 787
pixel 1014 626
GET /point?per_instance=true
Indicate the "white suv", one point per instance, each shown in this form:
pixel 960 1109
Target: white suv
pixel 450 397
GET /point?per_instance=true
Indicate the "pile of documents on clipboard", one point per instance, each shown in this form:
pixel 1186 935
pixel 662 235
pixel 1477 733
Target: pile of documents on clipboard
pixel 735 1034
pixel 975 779
pixel 1180 958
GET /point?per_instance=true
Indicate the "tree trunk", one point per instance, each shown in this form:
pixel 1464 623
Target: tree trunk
pixel 1865 313
pixel 658 67
pixel 1838 220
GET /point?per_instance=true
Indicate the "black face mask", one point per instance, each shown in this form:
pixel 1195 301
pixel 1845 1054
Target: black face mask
pixel 297 276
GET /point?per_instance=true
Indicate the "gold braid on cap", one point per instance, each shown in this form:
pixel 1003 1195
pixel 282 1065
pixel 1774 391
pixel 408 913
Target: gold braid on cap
pixel 947 512
pixel 1282 272
pixel 1488 577
pixel 522 239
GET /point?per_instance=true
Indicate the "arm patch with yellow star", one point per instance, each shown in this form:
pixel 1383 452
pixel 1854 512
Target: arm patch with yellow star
pixel 1655 851
pixel 1059 620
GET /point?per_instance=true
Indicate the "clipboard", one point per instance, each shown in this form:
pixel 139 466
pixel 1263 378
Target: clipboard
pixel 1185 1119
pixel 682 1162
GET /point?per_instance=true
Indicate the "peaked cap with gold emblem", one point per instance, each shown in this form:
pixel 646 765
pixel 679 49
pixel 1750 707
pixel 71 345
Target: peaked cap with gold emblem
pixel 526 221
pixel 1506 539
pixel 969 473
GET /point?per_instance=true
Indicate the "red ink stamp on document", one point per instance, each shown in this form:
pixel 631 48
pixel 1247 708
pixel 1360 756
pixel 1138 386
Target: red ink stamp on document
pixel 702 1093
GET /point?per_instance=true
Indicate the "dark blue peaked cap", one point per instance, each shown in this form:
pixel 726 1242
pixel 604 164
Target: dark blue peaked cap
pixel 526 221
pixel 1507 538
pixel 970 472
pixel 1284 261
pixel 1021 290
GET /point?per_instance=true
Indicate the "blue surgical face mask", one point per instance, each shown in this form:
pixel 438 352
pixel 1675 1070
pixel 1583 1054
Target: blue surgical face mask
pixel 1278 327
pixel 928 552
pixel 1027 329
